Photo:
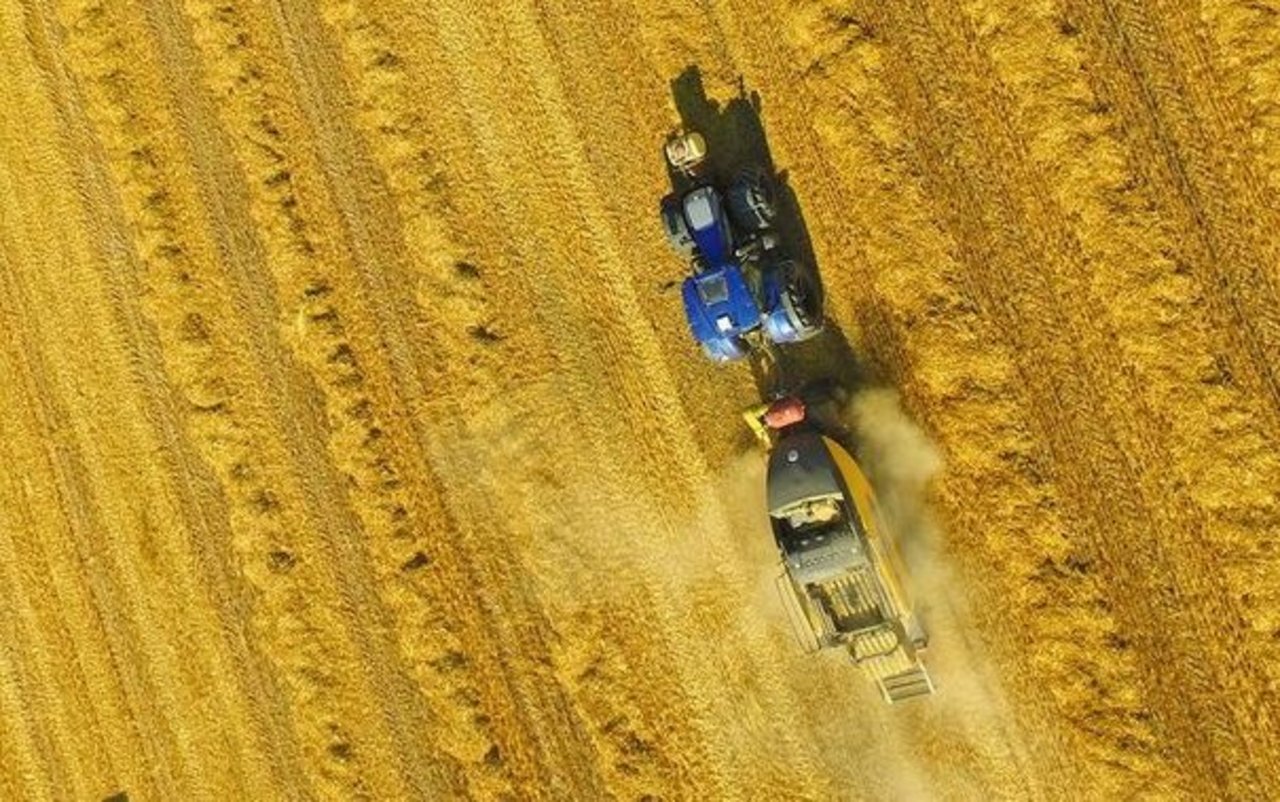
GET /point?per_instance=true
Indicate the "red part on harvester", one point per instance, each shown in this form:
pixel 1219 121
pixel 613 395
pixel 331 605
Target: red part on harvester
pixel 784 412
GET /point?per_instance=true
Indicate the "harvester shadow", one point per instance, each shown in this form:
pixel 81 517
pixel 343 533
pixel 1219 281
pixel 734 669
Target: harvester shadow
pixel 735 136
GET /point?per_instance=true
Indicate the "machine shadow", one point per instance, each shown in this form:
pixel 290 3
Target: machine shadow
pixel 735 135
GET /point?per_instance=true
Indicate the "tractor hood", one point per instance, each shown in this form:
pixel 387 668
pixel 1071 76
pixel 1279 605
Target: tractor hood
pixel 709 225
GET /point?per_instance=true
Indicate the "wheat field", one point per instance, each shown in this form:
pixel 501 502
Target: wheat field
pixel 354 446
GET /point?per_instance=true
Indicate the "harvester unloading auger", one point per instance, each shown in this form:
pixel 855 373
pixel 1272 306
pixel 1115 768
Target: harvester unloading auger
pixel 744 298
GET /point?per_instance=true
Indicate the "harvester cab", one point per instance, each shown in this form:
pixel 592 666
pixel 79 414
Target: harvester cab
pixel 743 293
pixel 842 574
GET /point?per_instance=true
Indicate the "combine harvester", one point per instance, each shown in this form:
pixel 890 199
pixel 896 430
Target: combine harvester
pixel 842 582
pixel 744 298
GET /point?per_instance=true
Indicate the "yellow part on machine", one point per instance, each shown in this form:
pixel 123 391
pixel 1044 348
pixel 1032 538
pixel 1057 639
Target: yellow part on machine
pixel 887 559
pixel 754 416
pixel 898 672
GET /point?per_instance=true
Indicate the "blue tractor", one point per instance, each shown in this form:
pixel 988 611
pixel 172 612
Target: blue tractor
pixel 744 295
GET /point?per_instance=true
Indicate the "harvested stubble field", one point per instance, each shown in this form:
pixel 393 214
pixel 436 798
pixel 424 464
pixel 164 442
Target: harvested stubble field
pixel 353 445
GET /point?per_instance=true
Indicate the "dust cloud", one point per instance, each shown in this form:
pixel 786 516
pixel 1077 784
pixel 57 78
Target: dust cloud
pixel 714 562
pixel 901 462
pixel 961 743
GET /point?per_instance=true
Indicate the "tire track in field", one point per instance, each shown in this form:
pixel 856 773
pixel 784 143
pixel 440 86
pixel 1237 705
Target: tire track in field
pixel 26 549
pixel 372 232
pixel 36 754
pixel 141 658
pixel 273 508
pixel 119 648
pixel 155 196
pixel 408 148
pixel 27 764
pixel 273 742
pixel 1190 59
pixel 69 623
pixel 402 711
pixel 940 133
pixel 1245 46
pixel 555 53
pixel 590 55
pixel 453 281
pixel 1228 469
pixel 1189 163
pixel 1136 451
pixel 1234 103
pixel 1242 494
pixel 47 706
pixel 119 550
pixel 621 138
pixel 372 424
pixel 390 56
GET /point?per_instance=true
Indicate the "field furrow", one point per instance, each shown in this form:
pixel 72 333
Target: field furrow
pixel 1183 131
pixel 223 413
pixel 1244 43
pixel 355 445
pixel 1087 389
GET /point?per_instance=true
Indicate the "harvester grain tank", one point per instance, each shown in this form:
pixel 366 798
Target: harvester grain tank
pixel 842 572
pixel 743 293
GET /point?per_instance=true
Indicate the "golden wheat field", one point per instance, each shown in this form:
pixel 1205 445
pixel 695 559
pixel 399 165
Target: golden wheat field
pixel 354 445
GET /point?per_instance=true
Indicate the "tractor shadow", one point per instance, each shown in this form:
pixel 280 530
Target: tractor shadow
pixel 736 140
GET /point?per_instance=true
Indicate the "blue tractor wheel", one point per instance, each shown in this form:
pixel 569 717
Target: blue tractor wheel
pixel 752 200
pixel 794 303
pixel 804 297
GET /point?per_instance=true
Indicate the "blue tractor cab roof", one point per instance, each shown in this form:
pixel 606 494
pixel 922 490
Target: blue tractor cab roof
pixel 720 309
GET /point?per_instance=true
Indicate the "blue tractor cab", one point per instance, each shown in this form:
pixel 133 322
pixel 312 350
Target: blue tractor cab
pixel 721 310
pixel 742 293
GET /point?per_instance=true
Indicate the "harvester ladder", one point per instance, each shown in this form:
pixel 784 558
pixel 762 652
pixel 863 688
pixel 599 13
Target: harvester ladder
pixel 909 684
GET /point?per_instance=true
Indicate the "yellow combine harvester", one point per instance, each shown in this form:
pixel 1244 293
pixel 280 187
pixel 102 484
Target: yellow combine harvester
pixel 842 567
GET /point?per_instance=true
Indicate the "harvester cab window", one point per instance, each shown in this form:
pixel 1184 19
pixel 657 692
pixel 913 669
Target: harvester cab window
pixel 813 515
pixel 814 523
